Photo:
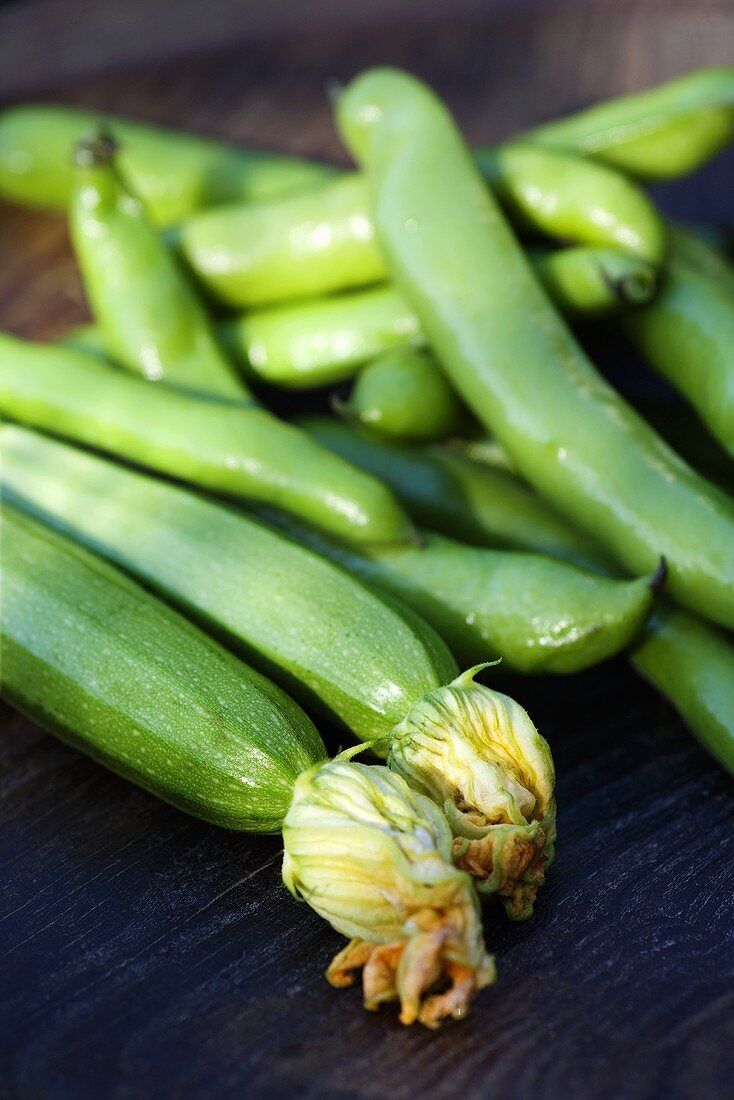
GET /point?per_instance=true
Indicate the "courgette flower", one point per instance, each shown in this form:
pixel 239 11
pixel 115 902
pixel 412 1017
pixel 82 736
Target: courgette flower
pixel 375 859
pixel 477 754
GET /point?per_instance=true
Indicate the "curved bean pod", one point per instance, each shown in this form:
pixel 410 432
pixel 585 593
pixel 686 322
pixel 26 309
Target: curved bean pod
pixel 175 173
pixel 692 664
pixel 658 134
pixel 235 450
pixel 450 494
pixel 402 395
pixel 572 199
pixel 151 319
pixel 514 361
pixel 687 336
pixel 537 614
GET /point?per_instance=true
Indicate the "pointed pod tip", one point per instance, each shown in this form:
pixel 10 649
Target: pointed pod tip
pixel 659 577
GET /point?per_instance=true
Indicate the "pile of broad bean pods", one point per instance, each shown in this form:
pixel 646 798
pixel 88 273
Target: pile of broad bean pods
pixel 190 582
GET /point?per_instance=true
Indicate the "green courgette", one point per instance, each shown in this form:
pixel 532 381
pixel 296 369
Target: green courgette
pixel 119 675
pixel 322 634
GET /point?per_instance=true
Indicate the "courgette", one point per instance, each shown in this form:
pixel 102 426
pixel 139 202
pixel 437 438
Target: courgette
pixel 119 675
pixel 321 633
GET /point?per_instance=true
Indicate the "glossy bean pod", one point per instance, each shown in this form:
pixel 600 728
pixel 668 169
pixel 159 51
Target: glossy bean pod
pixel 686 659
pixel 689 662
pixel 175 173
pixel 460 498
pixel 687 335
pixel 323 240
pixel 149 315
pixel 402 395
pixel 324 341
pixel 662 133
pixel 230 449
pixel 513 360
pixel 536 614
pixel 692 664
pixel 360 660
pixel 594 282
pixel 117 674
pixel 571 199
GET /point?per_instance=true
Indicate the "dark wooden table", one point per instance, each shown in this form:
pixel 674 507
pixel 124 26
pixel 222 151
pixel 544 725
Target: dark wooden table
pixel 144 954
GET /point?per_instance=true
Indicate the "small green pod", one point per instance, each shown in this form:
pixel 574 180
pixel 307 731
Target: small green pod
pixel 662 133
pixel 594 282
pixel 174 173
pixel 571 199
pixel 117 674
pixel 230 449
pixel 687 336
pixel 692 664
pixel 323 635
pixel 403 396
pixel 322 342
pixel 450 494
pixel 515 363
pixel 298 247
pixel 705 249
pixel 151 320
pixel 537 615
pixel 323 241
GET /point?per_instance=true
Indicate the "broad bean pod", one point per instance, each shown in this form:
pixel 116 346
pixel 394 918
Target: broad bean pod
pixel 514 361
pixel 661 133
pixel 402 395
pixel 450 494
pixel 174 172
pixel 231 449
pixel 687 335
pixel 150 318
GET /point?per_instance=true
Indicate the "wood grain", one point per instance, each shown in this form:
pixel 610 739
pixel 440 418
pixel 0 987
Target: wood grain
pixel 143 954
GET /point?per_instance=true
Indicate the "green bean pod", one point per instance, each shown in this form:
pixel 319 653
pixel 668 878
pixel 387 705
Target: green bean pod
pixel 687 336
pixel 323 240
pixel 120 676
pixel 235 450
pixel 360 660
pixel 403 396
pixel 452 495
pixel 320 342
pixel 594 282
pixel 692 664
pixel 572 199
pixel 174 173
pixel 705 249
pixel 662 133
pixel 538 615
pixel 151 319
pixel 513 360
pixel 323 341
